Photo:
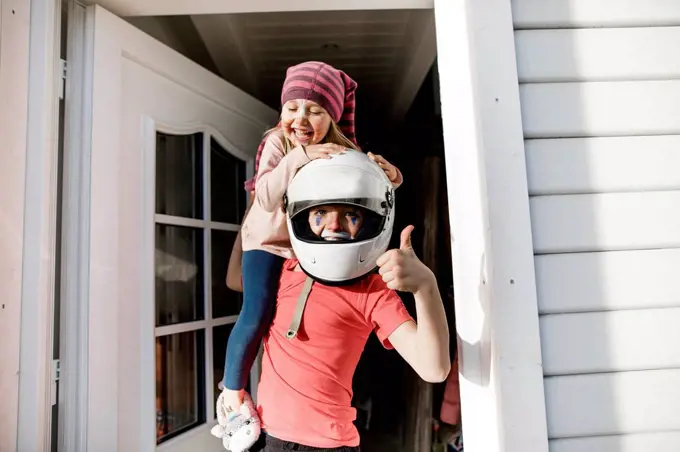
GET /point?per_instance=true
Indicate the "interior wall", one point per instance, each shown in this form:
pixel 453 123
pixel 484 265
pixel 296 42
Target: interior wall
pixel 407 145
pixel 14 41
pixel 424 140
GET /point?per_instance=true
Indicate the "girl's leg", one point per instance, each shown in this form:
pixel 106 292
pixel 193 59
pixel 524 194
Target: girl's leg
pixel 261 272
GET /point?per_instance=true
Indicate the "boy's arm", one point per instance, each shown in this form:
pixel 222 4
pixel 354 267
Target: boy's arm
pixel 425 345
pixel 275 172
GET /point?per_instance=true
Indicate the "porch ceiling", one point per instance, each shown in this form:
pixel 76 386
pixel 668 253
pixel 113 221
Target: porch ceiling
pixel 388 52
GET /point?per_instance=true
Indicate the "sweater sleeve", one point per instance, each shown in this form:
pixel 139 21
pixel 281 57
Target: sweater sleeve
pixel 400 179
pixel 276 171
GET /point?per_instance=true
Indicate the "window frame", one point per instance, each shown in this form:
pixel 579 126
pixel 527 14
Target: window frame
pixel 206 225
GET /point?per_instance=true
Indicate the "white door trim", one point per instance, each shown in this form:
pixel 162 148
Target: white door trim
pixel 124 8
pixel 496 302
pixel 74 351
pixel 40 228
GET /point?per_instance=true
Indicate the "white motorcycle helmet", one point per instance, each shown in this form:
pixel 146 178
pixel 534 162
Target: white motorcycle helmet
pixel 350 178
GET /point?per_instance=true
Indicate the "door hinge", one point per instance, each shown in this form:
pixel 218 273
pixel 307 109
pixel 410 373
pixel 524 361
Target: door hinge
pixel 55 380
pixel 63 66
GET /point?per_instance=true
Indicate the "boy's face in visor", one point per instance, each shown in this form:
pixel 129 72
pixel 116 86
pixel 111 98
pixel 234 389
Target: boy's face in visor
pixel 335 222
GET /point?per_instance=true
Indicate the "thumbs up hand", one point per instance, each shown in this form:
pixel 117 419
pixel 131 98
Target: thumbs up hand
pixel 402 270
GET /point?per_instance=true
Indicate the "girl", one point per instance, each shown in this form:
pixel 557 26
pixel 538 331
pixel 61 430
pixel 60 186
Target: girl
pixel 317 120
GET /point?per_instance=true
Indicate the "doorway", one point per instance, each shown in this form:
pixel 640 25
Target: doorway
pixel 391 54
pixel 156 297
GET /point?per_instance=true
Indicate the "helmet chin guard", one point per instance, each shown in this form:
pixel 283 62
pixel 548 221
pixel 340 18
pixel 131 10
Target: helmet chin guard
pixel 350 178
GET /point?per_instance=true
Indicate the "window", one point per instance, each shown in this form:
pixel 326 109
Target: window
pixel 199 206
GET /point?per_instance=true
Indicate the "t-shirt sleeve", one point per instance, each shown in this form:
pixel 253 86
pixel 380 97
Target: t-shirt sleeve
pixel 385 311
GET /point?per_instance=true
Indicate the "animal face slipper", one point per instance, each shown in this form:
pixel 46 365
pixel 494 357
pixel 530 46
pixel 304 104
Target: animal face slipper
pixel 240 429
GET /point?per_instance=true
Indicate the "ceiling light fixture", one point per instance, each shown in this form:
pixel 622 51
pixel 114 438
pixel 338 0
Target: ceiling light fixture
pixel 330 47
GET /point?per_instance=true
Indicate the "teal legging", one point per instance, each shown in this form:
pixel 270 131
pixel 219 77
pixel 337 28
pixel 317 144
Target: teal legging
pixel 261 271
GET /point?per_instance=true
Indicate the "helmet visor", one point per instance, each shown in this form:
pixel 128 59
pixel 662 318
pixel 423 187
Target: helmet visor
pixel 372 226
pixel 378 206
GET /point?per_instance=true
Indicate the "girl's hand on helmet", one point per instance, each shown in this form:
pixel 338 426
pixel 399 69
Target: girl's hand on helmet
pixel 391 171
pixel 323 151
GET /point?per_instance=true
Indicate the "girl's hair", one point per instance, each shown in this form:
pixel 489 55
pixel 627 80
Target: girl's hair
pixel 334 135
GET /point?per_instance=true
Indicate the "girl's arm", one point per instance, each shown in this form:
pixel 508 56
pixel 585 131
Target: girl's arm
pixel 276 171
pixel 396 183
pixel 391 171
pixel 234 281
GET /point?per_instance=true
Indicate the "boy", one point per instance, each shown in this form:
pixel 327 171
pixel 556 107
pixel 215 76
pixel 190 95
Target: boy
pixel 305 390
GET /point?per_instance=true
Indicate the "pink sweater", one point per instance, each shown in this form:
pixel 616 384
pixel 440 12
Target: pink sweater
pixel 264 228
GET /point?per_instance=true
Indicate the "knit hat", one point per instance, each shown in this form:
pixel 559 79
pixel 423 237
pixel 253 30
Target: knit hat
pixel 331 88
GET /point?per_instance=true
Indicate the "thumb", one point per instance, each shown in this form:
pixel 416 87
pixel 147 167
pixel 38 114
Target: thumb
pixel 406 238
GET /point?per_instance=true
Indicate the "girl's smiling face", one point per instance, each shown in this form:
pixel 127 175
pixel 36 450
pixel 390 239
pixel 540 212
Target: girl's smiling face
pixel 304 122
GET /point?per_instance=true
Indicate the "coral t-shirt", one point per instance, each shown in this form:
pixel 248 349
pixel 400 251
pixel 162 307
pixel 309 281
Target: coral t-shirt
pixel 305 389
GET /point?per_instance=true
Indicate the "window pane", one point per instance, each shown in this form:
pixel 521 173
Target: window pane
pixel 224 300
pixel 179 175
pixel 220 338
pixel 227 176
pixel 179 274
pixel 180 383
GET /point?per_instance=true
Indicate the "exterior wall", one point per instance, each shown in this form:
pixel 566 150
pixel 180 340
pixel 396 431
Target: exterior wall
pixel 14 37
pixel 600 95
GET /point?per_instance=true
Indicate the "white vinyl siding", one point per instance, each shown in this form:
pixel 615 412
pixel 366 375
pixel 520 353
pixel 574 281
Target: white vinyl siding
pixel 600 99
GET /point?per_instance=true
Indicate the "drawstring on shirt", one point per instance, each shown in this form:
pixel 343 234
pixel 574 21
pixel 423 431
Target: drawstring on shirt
pixel 299 309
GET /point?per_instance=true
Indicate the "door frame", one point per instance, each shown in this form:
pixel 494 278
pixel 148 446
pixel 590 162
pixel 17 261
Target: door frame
pixel 74 405
pixel 39 254
pixel 501 374
pixel 496 300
